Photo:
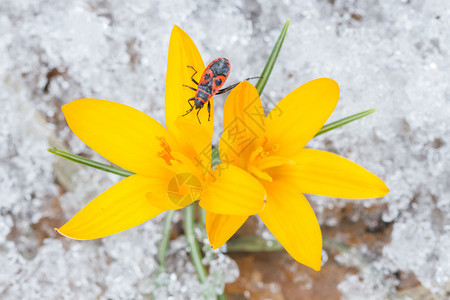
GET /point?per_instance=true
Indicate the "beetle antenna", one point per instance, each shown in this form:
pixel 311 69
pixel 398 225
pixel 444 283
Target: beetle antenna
pixel 256 77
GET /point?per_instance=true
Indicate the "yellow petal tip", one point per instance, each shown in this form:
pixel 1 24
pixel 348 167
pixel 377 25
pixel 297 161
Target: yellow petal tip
pixel 381 189
pixel 385 191
pixel 57 230
pixel 177 28
pixel 330 81
pixel 315 264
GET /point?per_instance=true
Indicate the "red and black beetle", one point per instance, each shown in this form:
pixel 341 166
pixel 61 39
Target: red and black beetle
pixel 213 78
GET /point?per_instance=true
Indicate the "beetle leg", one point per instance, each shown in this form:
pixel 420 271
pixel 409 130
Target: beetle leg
pixel 192 107
pixel 188 111
pixel 192 77
pixel 209 110
pixel 189 101
pixel 228 88
pixel 194 89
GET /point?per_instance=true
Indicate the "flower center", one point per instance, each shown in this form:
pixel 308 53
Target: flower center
pixel 264 158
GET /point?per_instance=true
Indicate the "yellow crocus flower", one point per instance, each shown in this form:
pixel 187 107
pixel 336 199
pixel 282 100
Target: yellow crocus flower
pixel 172 166
pixel 272 150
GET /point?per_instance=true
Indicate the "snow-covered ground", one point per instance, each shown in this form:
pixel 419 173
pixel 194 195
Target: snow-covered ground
pixel 392 55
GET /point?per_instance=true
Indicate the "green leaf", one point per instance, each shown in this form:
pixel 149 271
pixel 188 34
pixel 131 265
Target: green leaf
pixel 164 244
pixel 346 120
pixel 272 59
pixel 215 158
pixel 253 243
pixel 90 163
pixel 194 249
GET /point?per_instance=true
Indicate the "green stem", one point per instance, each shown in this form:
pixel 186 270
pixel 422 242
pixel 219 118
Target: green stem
pixel 346 120
pixel 215 156
pixel 272 59
pixel 164 245
pixel 254 243
pixel 202 214
pixel 192 243
pixel 90 163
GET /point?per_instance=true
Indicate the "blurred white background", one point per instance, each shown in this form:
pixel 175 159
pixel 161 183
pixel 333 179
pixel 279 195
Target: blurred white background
pixel 392 55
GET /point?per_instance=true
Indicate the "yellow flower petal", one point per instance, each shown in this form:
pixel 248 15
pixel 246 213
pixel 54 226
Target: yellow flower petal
pixel 301 114
pixel 244 124
pixel 272 161
pixel 120 133
pixel 233 192
pixel 292 221
pixel 220 228
pixel 259 174
pixel 184 53
pixel 194 142
pixel 324 173
pixel 119 208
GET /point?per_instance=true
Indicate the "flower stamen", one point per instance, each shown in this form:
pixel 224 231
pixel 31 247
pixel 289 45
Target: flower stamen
pixel 263 158
pixel 165 153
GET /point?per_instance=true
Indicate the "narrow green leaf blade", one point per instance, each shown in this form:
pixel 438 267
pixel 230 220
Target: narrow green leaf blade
pixel 346 120
pixel 272 59
pixel 215 159
pixel 253 243
pixel 164 244
pixel 90 163
pixel 194 248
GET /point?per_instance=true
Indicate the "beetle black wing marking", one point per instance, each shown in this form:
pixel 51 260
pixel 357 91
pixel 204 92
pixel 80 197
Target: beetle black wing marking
pixel 220 67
